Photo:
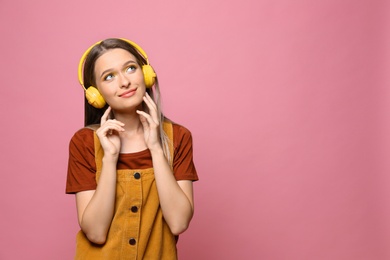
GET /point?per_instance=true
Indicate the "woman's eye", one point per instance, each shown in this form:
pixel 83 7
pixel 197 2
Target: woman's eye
pixel 108 77
pixel 131 68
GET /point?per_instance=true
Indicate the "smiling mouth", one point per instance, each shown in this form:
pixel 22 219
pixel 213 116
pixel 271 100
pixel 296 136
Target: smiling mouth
pixel 128 93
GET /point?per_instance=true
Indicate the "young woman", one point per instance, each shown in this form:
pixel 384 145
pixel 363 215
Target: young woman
pixel 130 167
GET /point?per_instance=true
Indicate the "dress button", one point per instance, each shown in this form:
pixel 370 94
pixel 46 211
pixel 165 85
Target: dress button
pixel 134 209
pixel 137 175
pixel 132 241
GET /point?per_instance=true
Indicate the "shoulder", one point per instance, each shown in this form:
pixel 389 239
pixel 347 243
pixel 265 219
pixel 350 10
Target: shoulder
pixel 93 127
pixel 180 128
pixel 83 132
pixel 180 131
pixel 82 146
pixel 82 137
pixel 87 130
pixel 182 136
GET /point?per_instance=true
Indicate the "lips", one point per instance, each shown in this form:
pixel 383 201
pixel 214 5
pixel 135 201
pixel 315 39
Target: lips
pixel 128 93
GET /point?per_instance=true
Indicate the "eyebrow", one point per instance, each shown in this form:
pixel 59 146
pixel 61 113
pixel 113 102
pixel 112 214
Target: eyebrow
pixel 124 65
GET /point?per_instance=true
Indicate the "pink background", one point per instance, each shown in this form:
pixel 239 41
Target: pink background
pixel 288 103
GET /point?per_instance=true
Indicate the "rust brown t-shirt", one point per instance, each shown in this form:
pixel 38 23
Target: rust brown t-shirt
pixel 82 167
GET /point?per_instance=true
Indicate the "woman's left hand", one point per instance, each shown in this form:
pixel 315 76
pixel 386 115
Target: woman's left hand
pixel 151 124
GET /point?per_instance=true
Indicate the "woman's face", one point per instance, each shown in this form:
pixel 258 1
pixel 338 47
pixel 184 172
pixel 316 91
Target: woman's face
pixel 119 79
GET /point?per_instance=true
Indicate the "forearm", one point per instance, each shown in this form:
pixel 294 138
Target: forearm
pixel 97 216
pixel 176 205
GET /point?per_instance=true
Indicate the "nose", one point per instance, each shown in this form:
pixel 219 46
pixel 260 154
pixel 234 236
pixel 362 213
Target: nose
pixel 123 81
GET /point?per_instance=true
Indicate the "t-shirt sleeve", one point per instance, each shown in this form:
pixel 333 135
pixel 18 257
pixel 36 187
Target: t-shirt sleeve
pixel 81 163
pixel 183 163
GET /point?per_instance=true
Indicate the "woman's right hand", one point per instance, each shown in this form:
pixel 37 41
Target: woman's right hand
pixel 108 134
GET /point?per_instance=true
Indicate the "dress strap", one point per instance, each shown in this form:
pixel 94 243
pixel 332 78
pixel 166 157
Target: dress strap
pixel 98 152
pixel 168 129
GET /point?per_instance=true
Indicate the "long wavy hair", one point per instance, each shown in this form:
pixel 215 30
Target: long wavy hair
pixel 93 115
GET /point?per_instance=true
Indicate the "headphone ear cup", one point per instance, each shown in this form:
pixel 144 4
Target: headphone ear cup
pixel 94 97
pixel 149 75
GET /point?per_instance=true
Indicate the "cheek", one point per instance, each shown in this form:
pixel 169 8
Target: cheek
pixel 105 91
pixel 142 91
pixel 140 77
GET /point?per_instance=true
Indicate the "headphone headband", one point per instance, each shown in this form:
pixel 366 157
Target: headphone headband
pixel 84 56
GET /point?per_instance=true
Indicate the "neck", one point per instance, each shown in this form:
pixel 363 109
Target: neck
pixel 131 120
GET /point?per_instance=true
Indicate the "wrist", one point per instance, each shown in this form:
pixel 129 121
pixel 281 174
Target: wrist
pixel 156 151
pixel 110 159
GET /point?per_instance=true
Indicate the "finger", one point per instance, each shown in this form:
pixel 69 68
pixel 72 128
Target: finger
pixel 152 108
pixel 114 129
pixel 143 118
pixel 143 114
pixel 146 117
pixel 105 116
pixel 149 101
pixel 144 121
pixel 113 124
pixel 110 127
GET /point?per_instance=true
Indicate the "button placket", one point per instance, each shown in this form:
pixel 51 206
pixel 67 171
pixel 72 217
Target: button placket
pixel 134 208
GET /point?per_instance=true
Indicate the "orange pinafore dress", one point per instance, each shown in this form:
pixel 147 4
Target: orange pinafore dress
pixel 138 229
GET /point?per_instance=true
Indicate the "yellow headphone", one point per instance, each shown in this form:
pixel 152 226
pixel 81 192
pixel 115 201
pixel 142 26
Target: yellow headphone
pixel 93 95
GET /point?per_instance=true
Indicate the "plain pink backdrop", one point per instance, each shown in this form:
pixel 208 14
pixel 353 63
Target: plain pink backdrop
pixel 288 103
